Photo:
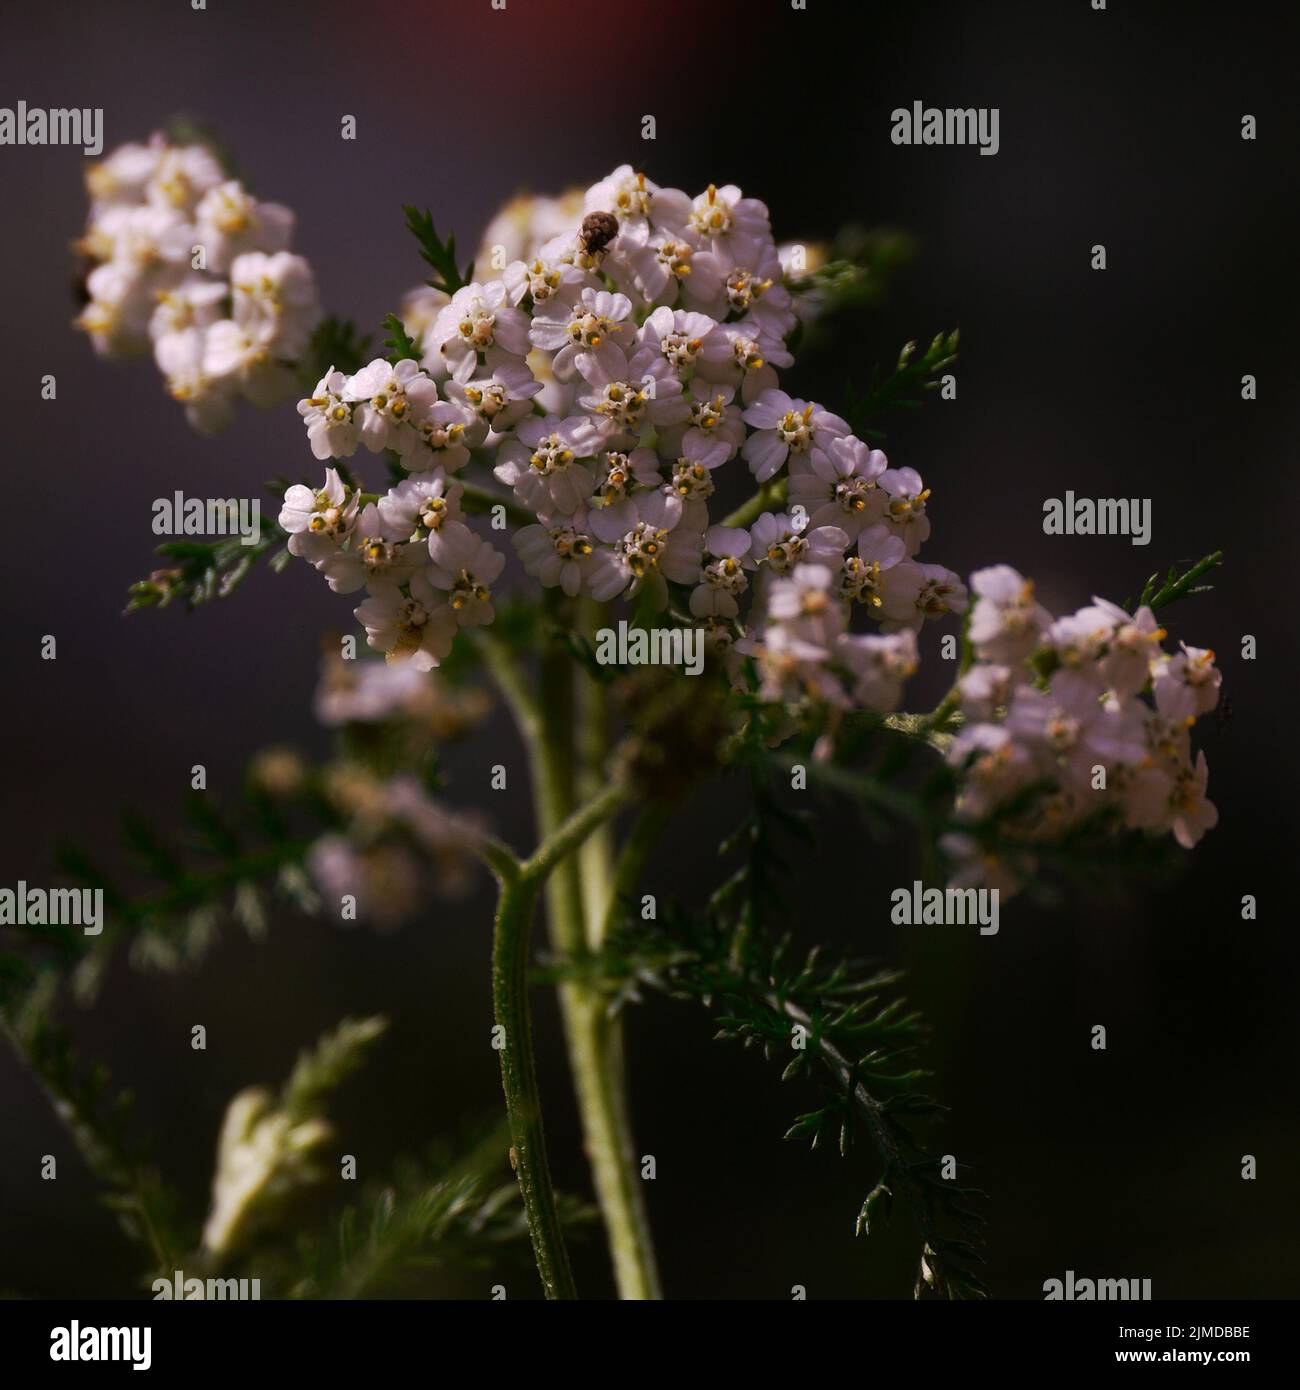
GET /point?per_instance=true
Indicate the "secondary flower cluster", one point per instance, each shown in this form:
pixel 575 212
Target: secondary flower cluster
pixel 606 378
pixel 1058 730
pixel 187 263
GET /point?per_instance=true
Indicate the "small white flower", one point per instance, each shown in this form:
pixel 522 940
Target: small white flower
pixel 879 666
pixel 1187 684
pixel 243 357
pixel 623 399
pixel 592 328
pixel 197 302
pixel 742 354
pixel 479 326
pixel 837 483
pixel 331 430
pixel 230 221
pixel 377 553
pixel 631 197
pixel 723 577
pixel 465 567
pixel 650 543
pixel 784 427
pixel 906 497
pixel 418 626
pixel 208 397
pixel 676 336
pixel 1006 624
pixel 807 603
pixel 275 298
pixel 880 576
pixel 420 505
pixel 545 465
pixel 390 398
pixel 779 543
pixel 619 474
pixel 318 520
pixel 560 551
pixel 729 222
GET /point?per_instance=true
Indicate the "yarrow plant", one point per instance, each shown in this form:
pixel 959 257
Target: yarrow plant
pixel 550 445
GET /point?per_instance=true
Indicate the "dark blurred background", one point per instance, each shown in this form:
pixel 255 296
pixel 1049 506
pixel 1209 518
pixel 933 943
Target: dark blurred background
pixel 1120 127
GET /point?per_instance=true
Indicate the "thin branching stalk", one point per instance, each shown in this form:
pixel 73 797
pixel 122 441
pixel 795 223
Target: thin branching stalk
pixel 545 722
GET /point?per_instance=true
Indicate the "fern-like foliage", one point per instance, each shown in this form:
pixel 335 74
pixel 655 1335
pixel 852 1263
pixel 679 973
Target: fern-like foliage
pixel 433 1215
pixel 198 572
pixel 899 390
pixel 226 865
pixel 399 342
pixel 841 1026
pixel 1157 593
pixel 96 1116
pixel 438 254
pixel 336 344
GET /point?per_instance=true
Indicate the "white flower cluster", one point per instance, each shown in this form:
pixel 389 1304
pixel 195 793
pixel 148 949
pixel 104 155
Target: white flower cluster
pixel 606 377
pixel 188 263
pixel 1057 705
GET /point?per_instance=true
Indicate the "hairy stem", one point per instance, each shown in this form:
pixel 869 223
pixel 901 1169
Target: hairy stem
pixel 546 724
pixel 510 1011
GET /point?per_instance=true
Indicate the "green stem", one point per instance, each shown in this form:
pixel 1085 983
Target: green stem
pixel 596 856
pixel 545 722
pixel 510 1011
pixel 516 904
pixel 771 494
